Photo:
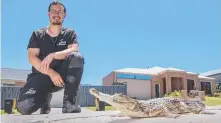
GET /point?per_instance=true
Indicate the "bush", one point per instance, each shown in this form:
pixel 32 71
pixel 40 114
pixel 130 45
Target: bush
pixel 166 95
pixel 173 94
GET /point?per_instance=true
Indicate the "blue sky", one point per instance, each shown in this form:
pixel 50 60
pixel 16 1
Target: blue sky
pixel 116 34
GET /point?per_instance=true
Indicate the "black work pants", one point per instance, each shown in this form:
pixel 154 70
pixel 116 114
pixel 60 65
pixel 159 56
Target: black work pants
pixel 35 92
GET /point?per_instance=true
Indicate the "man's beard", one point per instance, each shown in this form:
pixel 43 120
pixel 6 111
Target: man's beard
pixel 56 23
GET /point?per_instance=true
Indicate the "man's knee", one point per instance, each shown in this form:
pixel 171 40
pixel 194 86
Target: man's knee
pixel 27 106
pixel 76 60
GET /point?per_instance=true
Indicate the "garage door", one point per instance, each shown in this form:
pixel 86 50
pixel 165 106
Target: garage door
pixel 140 89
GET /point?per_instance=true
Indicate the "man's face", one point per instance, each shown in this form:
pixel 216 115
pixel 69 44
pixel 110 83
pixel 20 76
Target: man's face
pixel 56 14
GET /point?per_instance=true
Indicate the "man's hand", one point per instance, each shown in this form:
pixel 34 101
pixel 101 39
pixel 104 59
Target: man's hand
pixel 44 66
pixel 56 79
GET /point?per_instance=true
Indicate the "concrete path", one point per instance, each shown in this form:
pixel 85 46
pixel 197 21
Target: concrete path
pixel 88 116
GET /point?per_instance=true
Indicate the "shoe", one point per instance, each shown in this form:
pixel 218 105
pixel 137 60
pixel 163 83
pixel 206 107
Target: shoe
pixel 69 108
pixel 70 105
pixel 46 108
pixel 76 109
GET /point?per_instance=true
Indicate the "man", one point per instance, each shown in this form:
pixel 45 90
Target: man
pixel 56 64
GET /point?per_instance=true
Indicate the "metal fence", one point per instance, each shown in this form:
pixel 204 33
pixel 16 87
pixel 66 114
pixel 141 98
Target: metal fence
pixel 84 98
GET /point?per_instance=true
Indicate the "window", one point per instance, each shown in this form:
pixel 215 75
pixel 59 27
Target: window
pixel 125 76
pixel 143 77
pixel 133 76
pixel 206 86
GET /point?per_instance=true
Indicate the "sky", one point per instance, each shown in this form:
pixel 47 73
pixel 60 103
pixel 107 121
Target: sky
pixel 115 34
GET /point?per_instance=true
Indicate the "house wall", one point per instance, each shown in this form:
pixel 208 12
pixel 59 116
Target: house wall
pixel 109 79
pixel 156 80
pixel 140 89
pixel 20 83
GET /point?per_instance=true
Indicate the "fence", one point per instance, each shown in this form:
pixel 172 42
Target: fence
pixel 8 92
pixel 84 98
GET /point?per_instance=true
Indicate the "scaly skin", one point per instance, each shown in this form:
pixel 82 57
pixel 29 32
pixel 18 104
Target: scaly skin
pixel 157 107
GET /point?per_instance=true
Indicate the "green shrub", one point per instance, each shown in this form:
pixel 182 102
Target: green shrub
pixel 166 95
pixel 13 112
pixel 173 94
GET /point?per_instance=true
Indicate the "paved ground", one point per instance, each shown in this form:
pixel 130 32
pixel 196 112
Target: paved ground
pixel 88 116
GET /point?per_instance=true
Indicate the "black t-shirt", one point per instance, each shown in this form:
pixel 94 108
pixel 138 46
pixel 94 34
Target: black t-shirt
pixel 47 44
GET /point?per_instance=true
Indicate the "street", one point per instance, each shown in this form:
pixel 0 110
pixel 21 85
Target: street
pixel 87 116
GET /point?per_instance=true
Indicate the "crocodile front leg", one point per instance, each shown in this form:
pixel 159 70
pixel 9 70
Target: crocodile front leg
pixel 160 110
pixel 184 108
pixel 195 108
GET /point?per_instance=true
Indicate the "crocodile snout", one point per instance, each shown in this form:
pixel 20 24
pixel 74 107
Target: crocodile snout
pixel 94 92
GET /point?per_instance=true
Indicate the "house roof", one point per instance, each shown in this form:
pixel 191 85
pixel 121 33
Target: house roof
pixel 204 77
pixel 150 71
pixel 174 69
pixel 155 71
pixel 14 74
pixel 212 72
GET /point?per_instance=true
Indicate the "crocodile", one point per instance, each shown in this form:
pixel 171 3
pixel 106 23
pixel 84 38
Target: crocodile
pixel 157 107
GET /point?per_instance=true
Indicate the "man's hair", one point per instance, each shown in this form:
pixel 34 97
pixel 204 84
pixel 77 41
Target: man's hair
pixel 56 2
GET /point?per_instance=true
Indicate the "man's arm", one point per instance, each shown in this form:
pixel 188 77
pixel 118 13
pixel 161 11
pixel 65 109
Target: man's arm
pixel 36 62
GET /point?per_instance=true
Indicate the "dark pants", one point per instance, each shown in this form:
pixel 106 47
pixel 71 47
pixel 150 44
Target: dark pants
pixel 39 86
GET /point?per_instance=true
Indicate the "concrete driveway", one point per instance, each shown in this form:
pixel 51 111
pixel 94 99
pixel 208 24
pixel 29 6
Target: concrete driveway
pixel 88 116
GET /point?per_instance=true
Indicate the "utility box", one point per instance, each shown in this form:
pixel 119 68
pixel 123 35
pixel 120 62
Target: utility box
pixel 100 105
pixel 9 105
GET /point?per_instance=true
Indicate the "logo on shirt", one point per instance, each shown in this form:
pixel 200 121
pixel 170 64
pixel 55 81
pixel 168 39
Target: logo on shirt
pixel 61 43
